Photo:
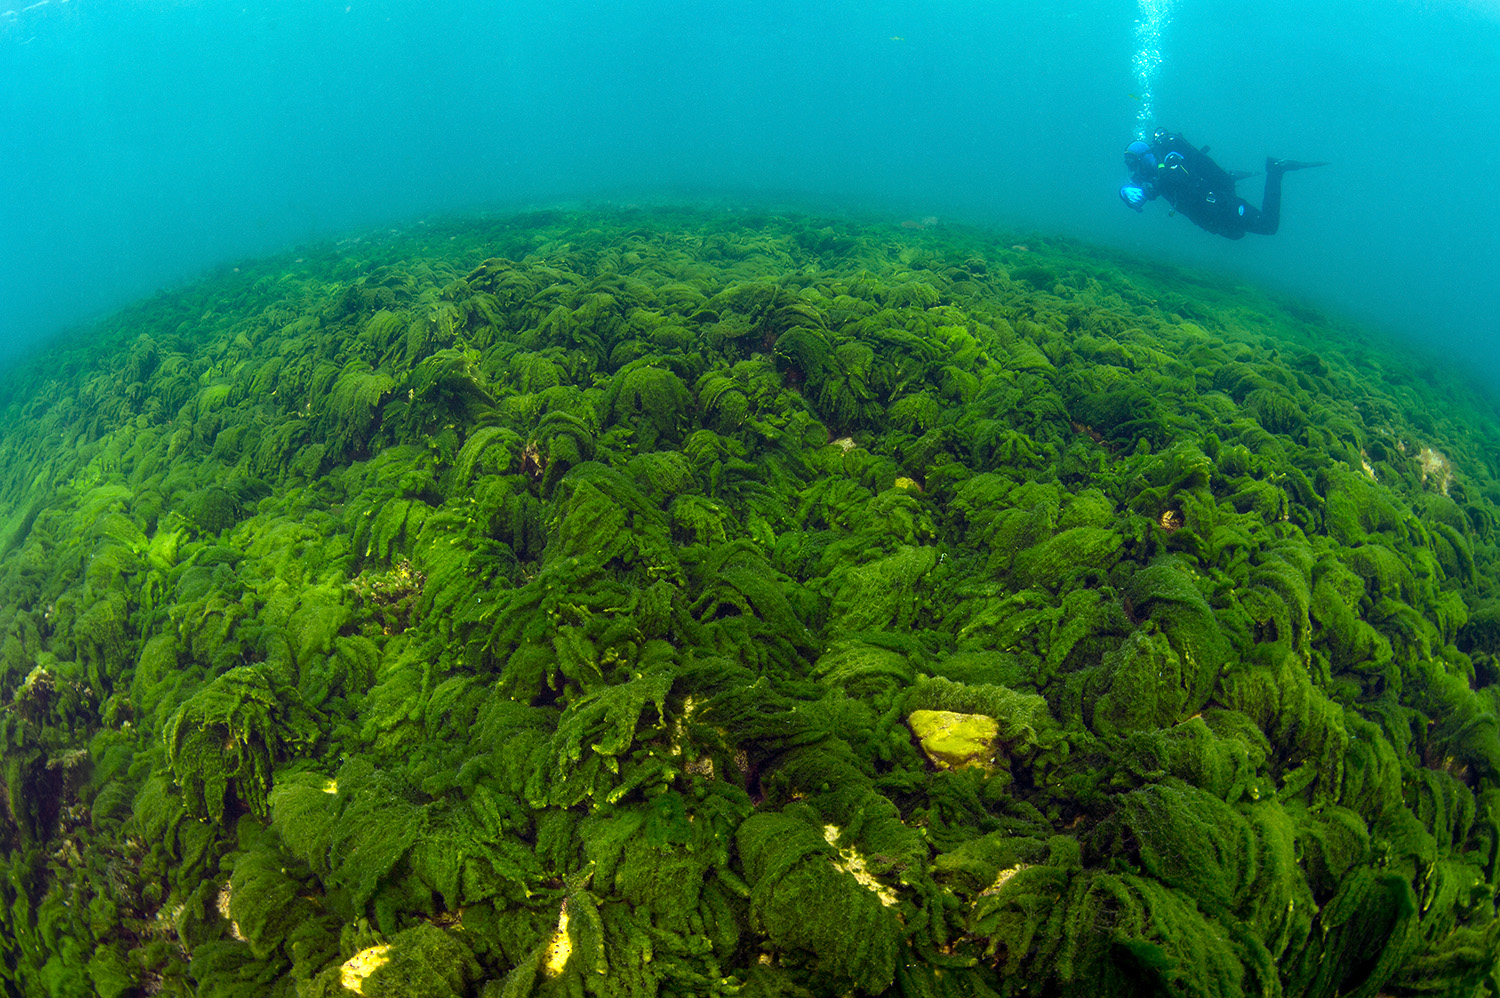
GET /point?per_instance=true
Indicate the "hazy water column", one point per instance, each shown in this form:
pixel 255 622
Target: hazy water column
pixel 1155 15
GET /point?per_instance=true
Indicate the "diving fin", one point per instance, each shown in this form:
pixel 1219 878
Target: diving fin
pixel 1291 164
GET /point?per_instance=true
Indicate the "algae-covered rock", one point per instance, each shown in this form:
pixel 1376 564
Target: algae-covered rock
pixel 956 741
pixel 674 602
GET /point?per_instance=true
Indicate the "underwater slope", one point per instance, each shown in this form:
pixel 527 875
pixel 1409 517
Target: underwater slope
pixel 688 603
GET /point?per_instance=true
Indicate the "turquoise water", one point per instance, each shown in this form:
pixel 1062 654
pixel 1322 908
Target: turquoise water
pixel 144 142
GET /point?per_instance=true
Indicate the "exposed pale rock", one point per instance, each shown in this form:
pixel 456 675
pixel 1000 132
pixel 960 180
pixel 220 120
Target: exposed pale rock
pixel 560 947
pixel 852 863
pixel 361 965
pixel 1436 469
pixel 955 741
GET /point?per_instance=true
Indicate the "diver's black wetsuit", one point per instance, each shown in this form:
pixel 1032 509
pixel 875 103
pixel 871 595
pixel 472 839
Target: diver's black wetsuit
pixel 1204 191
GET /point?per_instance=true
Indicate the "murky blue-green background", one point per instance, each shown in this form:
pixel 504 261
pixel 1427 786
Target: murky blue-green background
pixel 142 141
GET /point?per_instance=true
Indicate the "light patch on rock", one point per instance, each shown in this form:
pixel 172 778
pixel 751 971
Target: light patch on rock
pixel 679 724
pixel 701 766
pixel 956 741
pixel 852 863
pixel 362 964
pixel 223 906
pixel 1001 880
pixel 1435 467
pixel 561 947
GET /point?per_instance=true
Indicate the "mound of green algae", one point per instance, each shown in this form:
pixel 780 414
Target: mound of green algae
pixel 539 606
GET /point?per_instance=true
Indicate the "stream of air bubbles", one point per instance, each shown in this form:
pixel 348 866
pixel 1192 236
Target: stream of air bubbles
pixel 1153 20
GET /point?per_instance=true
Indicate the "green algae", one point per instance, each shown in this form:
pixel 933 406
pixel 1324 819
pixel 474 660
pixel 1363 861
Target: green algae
pixel 536 606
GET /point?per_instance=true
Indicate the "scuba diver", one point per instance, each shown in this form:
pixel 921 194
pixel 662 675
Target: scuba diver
pixel 1172 168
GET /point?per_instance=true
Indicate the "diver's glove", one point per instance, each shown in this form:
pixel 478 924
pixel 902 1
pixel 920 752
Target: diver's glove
pixel 1133 196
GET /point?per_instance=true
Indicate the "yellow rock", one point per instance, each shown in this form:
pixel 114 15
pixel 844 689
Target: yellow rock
pixel 955 741
pixel 361 965
pixel 908 484
pixel 561 947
